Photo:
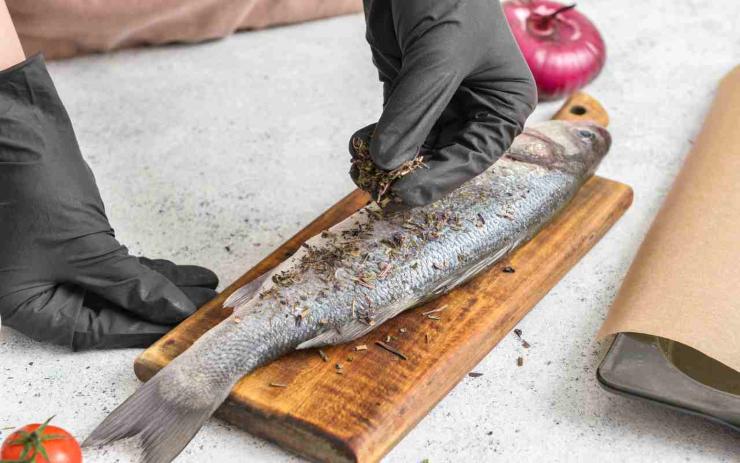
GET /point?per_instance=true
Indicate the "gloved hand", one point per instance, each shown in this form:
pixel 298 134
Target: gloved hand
pixel 456 90
pixel 63 276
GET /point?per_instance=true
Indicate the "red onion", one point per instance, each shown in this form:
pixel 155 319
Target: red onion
pixel 563 48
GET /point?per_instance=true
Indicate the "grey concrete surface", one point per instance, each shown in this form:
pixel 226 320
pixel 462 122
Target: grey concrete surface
pixel 216 153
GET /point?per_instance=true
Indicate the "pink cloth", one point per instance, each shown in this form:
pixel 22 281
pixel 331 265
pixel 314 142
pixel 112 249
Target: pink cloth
pixel 64 28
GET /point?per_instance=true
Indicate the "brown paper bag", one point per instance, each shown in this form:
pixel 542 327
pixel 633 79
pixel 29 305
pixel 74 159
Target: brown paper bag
pixel 684 284
pixel 64 28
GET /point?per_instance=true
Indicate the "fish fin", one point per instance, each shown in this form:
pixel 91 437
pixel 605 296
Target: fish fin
pixel 345 333
pixel 462 277
pixel 162 418
pixel 356 328
pixel 246 292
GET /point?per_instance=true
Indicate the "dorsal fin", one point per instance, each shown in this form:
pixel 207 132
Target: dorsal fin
pixel 246 292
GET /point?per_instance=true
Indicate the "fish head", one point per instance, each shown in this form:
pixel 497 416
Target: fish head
pixel 573 147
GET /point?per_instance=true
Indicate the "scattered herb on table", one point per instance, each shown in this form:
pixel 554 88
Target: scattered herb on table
pixel 391 349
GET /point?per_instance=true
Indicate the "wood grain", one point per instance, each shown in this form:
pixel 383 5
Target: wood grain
pixel 582 107
pixel 358 416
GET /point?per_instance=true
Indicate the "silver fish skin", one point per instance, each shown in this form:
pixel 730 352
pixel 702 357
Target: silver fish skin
pixel 351 278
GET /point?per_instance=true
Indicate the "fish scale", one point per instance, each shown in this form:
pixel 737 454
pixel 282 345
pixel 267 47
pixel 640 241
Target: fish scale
pixel 336 287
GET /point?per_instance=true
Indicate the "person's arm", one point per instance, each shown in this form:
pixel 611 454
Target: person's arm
pixel 11 52
pixel 64 278
pixel 456 91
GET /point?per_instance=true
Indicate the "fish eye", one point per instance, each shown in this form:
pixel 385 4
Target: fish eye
pixel 586 134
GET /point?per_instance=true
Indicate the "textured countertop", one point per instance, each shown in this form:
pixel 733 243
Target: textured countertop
pixel 216 153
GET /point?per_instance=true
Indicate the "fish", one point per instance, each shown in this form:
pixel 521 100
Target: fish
pixel 349 279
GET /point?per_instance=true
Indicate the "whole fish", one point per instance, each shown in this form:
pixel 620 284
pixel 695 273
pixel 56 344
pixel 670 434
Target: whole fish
pixel 351 278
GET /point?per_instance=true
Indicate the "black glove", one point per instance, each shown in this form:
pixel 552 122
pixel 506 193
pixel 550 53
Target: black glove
pixel 456 90
pixel 63 276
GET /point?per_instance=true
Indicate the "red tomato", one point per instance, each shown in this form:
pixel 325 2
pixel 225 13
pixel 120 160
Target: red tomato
pixel 40 443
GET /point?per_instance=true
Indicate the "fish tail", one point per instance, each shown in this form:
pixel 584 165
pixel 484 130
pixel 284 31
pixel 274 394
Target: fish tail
pixel 164 414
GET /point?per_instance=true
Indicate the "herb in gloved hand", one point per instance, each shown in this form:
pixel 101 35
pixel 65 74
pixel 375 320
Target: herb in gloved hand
pixel 374 180
pixel 456 90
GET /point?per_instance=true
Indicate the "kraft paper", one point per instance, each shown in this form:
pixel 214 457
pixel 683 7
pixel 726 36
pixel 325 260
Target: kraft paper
pixel 684 284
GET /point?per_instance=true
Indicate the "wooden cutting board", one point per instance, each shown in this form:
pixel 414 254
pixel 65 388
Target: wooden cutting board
pixel 358 416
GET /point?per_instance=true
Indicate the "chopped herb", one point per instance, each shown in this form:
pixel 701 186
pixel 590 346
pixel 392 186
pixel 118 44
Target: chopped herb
pixel 519 361
pixel 439 266
pixel 508 269
pixel 323 356
pixel 391 349
pixel 374 180
pixel 385 271
pixel 278 385
pixel 438 309
pixel 475 374
pixel 362 282
pixel 518 334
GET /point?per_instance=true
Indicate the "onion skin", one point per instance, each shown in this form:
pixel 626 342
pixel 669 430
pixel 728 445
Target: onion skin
pixel 563 49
